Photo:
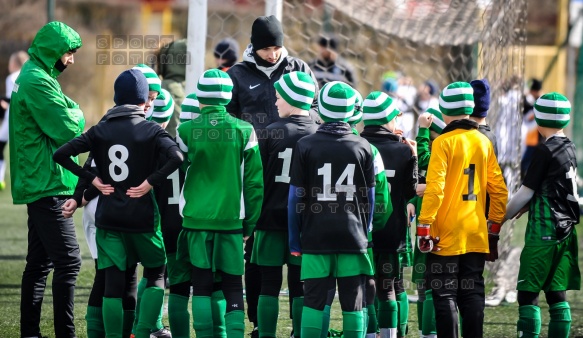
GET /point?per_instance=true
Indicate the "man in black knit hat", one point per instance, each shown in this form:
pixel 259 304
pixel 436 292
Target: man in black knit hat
pixel 265 61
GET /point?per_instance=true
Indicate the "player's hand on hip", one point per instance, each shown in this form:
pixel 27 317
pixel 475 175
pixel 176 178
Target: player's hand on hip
pixel 69 208
pixel 420 190
pixel 105 189
pixel 139 191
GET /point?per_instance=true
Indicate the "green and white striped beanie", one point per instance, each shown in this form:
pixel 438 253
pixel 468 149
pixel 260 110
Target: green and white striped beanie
pixel 297 89
pixel 163 107
pixel 357 115
pixel 336 102
pixel 154 82
pixel 457 99
pixel 437 125
pixel 379 109
pixel 552 111
pixel 190 108
pixel 214 88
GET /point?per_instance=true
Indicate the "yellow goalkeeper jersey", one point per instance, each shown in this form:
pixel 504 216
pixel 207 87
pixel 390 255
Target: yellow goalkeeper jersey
pixel 461 170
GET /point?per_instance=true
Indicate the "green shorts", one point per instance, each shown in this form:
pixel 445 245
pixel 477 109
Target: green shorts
pixel 212 250
pixel 271 248
pixel 550 268
pixel 122 249
pixel 388 265
pixel 335 265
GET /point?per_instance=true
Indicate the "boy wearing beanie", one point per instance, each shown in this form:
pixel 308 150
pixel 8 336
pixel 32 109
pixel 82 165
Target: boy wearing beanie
pixel 451 225
pixel 128 230
pixel 549 259
pixel 481 106
pixel 391 248
pixel 218 216
pixel 331 196
pixel 295 92
pixel 226 54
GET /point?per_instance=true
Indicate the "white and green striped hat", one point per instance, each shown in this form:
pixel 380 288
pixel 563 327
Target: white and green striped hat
pixel 190 108
pixel 154 82
pixel 163 107
pixel 214 88
pixel 378 109
pixel 552 111
pixel 437 125
pixel 357 115
pixel 297 89
pixel 457 99
pixel 336 102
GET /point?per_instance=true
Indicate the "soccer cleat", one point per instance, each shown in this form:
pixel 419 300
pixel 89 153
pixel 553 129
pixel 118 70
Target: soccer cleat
pixel 291 335
pixel 162 333
pixel 496 297
pixel 254 333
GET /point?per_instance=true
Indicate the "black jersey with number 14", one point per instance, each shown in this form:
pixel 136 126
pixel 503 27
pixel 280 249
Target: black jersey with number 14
pixel 333 173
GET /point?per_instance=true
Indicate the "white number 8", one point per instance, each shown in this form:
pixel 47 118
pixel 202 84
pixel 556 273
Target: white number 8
pixel 118 162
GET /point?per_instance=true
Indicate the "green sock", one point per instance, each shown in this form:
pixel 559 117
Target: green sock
pixel 219 306
pixel 560 323
pixel 388 314
pixel 112 311
pixel 297 308
pixel 325 321
pixel 420 315
pixel 364 320
pixel 152 301
pixel 141 288
pixel 372 326
pixel 94 319
pixel 267 313
pixel 178 316
pixel 429 325
pixel 403 310
pixel 235 323
pixel 312 322
pixel 202 317
pixel 129 316
pixel 159 324
pixel 352 324
pixel 529 322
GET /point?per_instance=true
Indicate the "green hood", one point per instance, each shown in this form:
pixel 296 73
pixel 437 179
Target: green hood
pixel 50 43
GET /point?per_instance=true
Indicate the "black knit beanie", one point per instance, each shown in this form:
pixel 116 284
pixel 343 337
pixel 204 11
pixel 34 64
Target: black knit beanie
pixel 266 32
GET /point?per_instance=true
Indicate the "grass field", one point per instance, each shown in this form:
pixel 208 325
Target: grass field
pixel 499 321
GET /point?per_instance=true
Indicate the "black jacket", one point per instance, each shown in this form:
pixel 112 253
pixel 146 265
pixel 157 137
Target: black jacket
pixel 253 92
pixel 125 148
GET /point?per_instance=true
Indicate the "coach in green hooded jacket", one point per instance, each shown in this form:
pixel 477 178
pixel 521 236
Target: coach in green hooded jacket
pixel 42 119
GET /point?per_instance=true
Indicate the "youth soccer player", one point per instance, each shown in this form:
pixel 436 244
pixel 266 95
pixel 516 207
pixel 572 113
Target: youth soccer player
pixel 330 200
pixel 462 168
pixel 220 201
pixel 549 259
pixel 392 243
pixel 295 92
pixel 125 148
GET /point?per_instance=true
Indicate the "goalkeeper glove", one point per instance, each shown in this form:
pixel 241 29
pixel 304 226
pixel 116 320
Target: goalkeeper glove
pixel 493 237
pixel 425 242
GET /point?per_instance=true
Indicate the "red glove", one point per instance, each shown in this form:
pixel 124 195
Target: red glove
pixel 425 242
pixel 493 237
